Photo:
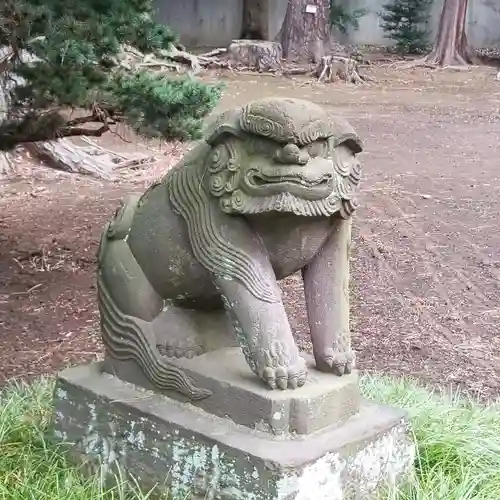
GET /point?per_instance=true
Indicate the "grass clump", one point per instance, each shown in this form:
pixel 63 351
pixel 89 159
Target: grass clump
pixel 32 468
pixel 458 443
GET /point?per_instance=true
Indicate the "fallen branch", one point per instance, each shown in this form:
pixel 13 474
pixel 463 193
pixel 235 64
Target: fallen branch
pixel 92 160
pixel 215 52
pixel 295 71
pixel 183 57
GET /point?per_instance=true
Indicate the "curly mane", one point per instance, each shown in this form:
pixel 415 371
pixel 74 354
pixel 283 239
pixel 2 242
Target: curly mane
pixel 212 232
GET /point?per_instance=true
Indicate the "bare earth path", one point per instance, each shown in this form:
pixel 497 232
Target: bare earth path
pixel 426 256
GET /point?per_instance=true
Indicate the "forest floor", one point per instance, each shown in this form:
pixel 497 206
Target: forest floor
pixel 426 252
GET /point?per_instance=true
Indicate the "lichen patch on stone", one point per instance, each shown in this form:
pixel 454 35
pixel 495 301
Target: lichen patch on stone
pixel 331 477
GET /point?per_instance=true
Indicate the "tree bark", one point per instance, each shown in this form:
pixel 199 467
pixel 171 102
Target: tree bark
pixel 305 34
pixel 451 47
pixel 253 13
pixel 6 165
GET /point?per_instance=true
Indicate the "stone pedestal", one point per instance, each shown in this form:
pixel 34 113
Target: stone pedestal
pixel 245 442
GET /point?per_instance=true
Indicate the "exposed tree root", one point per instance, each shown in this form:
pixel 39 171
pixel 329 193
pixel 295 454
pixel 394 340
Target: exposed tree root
pixel 415 63
pixel 174 59
pixel 448 60
pixel 428 62
pixel 196 63
pixel 331 68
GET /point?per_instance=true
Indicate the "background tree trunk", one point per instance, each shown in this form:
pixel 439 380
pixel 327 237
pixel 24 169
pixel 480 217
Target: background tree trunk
pixel 6 165
pixel 305 35
pixel 253 25
pixel 451 46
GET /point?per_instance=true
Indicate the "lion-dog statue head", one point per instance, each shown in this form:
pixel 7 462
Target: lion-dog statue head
pixel 284 155
pixel 272 155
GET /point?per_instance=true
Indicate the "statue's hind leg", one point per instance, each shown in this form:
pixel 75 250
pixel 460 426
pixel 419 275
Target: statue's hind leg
pixel 129 306
pixel 171 329
pixel 127 291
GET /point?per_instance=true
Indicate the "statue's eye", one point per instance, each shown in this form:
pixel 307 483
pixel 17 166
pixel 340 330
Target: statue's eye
pixel 318 148
pixel 262 146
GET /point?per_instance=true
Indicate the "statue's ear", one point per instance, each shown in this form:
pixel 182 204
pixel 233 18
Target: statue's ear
pixel 227 123
pixel 343 133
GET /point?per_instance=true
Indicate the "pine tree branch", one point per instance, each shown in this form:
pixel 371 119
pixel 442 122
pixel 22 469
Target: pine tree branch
pixel 56 56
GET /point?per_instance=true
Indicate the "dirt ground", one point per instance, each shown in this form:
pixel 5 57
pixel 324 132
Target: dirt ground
pixel 426 256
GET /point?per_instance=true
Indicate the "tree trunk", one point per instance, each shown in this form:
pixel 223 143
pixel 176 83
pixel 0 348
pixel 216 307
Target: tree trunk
pixel 254 12
pixel 7 167
pixel 451 47
pixel 305 34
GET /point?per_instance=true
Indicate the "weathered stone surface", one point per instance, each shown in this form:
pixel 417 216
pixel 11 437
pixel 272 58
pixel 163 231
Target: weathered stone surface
pixel 162 441
pixel 323 401
pixel 193 263
pixel 188 291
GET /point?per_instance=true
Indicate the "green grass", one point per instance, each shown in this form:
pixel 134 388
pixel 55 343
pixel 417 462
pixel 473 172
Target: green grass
pixel 458 447
pixel 33 469
pixel 458 441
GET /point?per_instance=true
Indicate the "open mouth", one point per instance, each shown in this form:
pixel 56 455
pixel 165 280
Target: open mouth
pixel 261 180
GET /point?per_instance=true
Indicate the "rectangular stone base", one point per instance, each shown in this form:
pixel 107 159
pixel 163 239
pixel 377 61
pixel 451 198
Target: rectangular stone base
pixel 160 441
pixel 238 394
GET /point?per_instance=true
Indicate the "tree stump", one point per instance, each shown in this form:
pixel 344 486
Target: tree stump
pixel 331 68
pixel 260 55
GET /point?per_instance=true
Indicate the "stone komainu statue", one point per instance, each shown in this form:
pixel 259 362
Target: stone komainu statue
pixel 193 263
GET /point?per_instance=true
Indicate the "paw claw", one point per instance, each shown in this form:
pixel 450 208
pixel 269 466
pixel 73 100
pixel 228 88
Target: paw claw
pixel 282 383
pixel 301 381
pixel 281 378
pixel 338 362
pixel 285 377
pixel 179 352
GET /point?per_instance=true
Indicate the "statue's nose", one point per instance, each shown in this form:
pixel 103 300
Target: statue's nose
pixel 291 154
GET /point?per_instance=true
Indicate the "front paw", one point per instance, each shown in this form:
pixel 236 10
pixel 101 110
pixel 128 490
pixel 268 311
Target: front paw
pixel 280 370
pixel 339 362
